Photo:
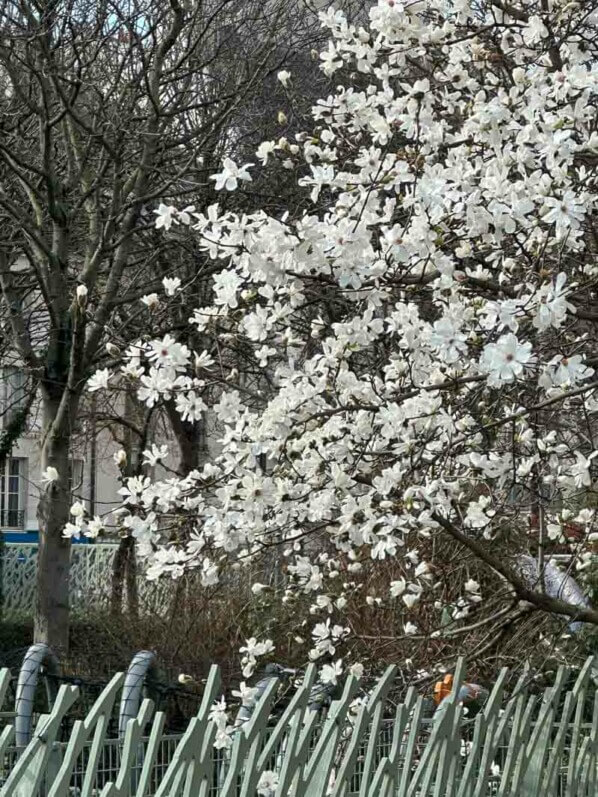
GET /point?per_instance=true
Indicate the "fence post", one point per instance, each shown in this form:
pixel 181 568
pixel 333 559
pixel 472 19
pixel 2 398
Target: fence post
pixel 30 769
pixel 417 764
pixel 95 722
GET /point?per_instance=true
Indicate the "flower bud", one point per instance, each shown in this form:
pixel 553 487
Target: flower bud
pixel 81 295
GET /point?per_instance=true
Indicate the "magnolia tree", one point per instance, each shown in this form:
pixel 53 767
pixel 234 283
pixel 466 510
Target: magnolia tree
pixel 422 338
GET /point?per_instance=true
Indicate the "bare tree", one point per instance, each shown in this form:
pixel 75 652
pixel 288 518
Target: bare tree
pixel 106 107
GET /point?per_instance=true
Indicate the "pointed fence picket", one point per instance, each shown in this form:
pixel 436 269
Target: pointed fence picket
pixel 519 745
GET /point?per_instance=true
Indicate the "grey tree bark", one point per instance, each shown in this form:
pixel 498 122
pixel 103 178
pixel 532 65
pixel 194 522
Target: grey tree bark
pixel 52 596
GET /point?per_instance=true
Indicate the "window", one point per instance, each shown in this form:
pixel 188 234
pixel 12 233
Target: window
pixel 76 480
pixel 12 498
pixel 13 392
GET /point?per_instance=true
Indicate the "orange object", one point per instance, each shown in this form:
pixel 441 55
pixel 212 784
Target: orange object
pixel 443 688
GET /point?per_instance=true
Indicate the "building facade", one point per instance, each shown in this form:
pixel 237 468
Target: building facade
pixel 95 482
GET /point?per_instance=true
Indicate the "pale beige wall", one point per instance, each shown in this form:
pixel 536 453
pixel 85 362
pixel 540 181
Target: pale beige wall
pixel 107 473
pixel 107 484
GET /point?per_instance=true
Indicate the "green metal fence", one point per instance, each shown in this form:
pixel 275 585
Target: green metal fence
pixel 520 744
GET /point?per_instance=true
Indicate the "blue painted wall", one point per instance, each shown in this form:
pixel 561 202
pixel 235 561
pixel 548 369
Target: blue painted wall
pixel 33 536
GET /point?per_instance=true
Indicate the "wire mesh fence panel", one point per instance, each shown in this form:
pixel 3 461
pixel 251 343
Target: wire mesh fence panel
pixel 110 762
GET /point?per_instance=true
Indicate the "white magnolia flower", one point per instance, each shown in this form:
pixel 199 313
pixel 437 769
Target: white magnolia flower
pixel 553 306
pixel 151 300
pixel 99 380
pixel 155 454
pixel 50 475
pixel 166 217
pixel 252 650
pixel 479 513
pixel 566 213
pixel 223 739
pixel 330 672
pixel 171 285
pixel 410 629
pixel 580 470
pixel 265 149
pixel 321 176
pixel 82 295
pixel 505 360
pixel 410 599
pixel 77 509
pixel 246 694
pixel 562 371
pixel 209 573
pixel 284 77
pixel 535 30
pixel 185 215
pixel 95 527
pixel 190 406
pixel 133 489
pixel 71 530
pixel 168 352
pixel 422 571
pixel 120 457
pixel 268 783
pixel 448 340
pixel 203 360
pixel 230 175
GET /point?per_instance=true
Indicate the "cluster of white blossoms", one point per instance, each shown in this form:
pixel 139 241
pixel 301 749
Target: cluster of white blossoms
pixel 425 324
pixel 223 738
pixel 81 525
pixel 251 651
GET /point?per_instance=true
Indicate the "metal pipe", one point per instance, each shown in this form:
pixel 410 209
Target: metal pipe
pixel 556 583
pixel 39 658
pixel 143 663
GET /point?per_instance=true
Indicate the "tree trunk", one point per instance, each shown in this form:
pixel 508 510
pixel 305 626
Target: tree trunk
pixel 118 578
pixel 191 438
pixel 124 569
pixel 131 581
pixel 124 574
pixel 54 551
pixel 2 554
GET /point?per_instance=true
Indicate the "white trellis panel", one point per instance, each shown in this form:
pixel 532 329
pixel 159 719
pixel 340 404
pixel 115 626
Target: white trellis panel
pixel 90 579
